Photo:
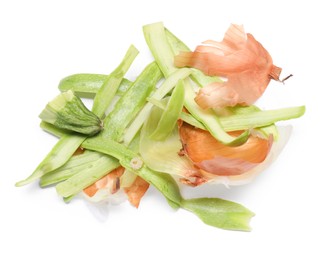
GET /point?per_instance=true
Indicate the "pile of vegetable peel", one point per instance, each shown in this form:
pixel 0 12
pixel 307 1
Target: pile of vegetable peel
pixel 189 117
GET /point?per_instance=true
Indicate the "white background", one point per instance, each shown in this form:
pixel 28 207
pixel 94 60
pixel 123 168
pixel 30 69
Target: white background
pixel 44 41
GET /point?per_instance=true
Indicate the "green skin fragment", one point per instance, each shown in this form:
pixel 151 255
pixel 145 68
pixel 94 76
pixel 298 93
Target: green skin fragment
pixel 220 213
pixel 129 105
pixel 75 165
pixel 59 155
pixel 111 84
pixel 90 83
pixel 171 114
pixel 84 178
pixel 262 120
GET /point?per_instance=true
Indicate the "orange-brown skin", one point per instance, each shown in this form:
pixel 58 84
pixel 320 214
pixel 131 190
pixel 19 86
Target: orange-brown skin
pixel 110 181
pixel 245 63
pixel 210 155
pixel 136 191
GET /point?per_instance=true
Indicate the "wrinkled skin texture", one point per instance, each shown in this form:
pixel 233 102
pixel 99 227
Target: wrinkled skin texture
pixel 242 60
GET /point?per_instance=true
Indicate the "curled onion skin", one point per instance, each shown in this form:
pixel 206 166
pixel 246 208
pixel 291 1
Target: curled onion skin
pixel 240 58
pixel 211 156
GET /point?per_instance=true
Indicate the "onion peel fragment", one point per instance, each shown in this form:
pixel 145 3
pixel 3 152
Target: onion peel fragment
pixel 241 59
pixel 109 181
pixel 136 191
pixel 212 157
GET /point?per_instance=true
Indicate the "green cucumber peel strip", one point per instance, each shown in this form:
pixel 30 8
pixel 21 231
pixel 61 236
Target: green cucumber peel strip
pixel 159 93
pixel 89 83
pixel 158 43
pixel 95 170
pixel 76 164
pixel 171 114
pixel 59 155
pixel 51 129
pixel 129 105
pixel 67 144
pixel 220 213
pixel 155 37
pixel 109 87
pixel 262 120
pixel 212 211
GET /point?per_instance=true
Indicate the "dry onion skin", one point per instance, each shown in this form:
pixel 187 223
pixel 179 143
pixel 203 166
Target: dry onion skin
pixel 241 59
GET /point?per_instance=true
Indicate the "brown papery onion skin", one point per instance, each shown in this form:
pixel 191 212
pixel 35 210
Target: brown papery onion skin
pixel 211 156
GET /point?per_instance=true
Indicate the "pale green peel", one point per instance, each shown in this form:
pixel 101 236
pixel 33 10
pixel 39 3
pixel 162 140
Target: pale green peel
pixel 171 114
pixel 75 165
pixel 87 177
pixel 58 156
pixel 89 83
pixel 162 156
pixel 220 213
pixel 109 87
pixel 156 39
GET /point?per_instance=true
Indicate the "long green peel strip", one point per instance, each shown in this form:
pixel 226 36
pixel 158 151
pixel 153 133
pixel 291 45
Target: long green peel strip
pixel 89 83
pixel 109 88
pixel 76 164
pixel 129 105
pixel 83 179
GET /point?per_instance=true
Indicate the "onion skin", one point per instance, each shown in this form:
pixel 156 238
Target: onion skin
pixel 109 181
pixel 212 157
pixel 241 59
pixel 136 191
